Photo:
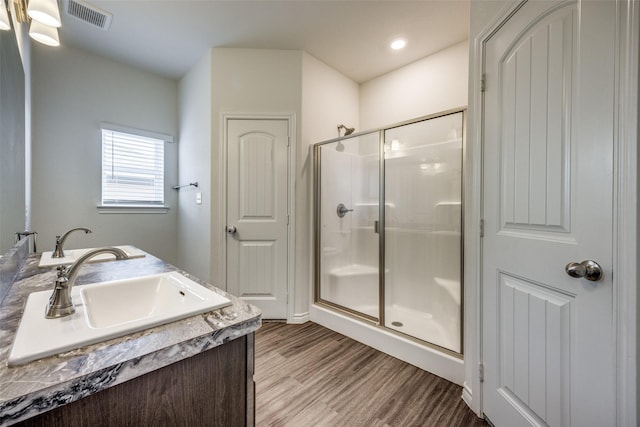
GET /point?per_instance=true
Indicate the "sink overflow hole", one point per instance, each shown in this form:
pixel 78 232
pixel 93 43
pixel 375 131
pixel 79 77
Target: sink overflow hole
pixel 397 323
pixel 181 293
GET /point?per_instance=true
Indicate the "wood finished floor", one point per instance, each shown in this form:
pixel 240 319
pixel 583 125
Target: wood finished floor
pixel 309 376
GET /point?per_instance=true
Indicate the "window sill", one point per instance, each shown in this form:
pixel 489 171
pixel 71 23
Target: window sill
pixel 132 209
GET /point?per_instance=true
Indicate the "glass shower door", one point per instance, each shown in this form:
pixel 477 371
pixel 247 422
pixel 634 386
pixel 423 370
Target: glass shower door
pixel 423 225
pixel 347 248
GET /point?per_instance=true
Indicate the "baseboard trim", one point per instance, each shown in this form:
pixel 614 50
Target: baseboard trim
pixel 299 318
pixel 467 395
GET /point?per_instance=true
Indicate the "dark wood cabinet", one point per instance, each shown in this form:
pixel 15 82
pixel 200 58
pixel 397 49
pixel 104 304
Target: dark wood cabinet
pixel 213 388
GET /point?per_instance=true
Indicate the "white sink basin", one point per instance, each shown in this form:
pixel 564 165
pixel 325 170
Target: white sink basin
pixel 71 255
pixel 108 310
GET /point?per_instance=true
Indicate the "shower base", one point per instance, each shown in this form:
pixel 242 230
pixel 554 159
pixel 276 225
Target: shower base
pixel 423 326
pixel 355 287
pixel 417 324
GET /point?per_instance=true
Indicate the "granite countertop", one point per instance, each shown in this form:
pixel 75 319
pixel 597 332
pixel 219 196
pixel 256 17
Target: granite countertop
pixel 44 384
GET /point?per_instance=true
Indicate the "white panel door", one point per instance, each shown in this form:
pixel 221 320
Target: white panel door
pixel 257 213
pixel 548 342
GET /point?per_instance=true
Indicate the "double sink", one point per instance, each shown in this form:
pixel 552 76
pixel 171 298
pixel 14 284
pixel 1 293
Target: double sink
pixel 109 310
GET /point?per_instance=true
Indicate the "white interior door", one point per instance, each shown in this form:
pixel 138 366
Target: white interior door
pixel 257 213
pixel 548 338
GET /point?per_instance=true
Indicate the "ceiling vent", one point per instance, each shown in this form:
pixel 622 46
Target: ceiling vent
pixel 89 13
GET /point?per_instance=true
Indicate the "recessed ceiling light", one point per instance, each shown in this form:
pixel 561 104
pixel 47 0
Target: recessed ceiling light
pixel 398 44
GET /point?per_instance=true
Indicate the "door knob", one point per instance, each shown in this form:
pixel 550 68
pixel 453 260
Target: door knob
pixel 588 269
pixel 231 229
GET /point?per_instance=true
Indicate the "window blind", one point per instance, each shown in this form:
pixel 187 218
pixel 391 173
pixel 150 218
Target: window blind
pixel 132 169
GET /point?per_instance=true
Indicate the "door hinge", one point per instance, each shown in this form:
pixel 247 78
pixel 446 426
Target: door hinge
pixel 482 228
pixel 481 372
pixel 287 219
pixel 483 82
pixel 288 141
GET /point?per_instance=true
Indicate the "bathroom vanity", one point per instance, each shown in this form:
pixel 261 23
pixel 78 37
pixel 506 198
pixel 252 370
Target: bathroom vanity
pixel 195 371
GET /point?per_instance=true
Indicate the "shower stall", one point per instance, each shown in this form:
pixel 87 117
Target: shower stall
pixel 388 229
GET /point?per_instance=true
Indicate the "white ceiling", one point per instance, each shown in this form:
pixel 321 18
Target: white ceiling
pixel 169 36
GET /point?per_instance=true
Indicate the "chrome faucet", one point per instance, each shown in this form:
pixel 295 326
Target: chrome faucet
pixel 60 303
pixel 57 250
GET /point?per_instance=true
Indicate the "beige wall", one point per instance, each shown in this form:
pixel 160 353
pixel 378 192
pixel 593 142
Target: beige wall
pixel 328 99
pixel 73 91
pixel 194 165
pixel 431 85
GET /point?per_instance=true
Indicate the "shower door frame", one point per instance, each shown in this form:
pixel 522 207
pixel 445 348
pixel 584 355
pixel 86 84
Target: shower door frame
pixel 317 208
pixel 379 322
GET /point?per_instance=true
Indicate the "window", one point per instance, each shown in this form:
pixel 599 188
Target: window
pixel 132 167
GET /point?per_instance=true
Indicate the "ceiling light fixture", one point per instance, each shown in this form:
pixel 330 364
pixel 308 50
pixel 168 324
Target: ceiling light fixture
pixel 398 44
pixel 4 18
pixel 43 16
pixel 44 34
pixel 44 11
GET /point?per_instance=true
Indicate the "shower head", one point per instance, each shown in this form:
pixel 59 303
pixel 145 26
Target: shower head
pixel 347 131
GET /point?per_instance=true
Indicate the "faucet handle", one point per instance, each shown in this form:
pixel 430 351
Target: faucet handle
pixel 62 270
pixel 62 281
pixel 60 303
